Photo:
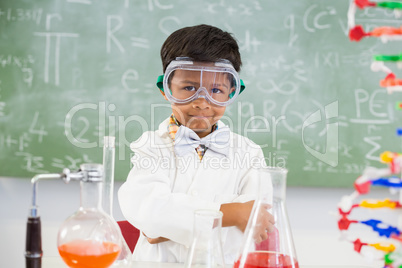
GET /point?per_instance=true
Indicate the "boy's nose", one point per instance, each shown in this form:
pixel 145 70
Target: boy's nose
pixel 201 102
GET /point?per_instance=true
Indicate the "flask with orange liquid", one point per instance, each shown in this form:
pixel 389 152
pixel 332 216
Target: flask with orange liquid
pixel 278 250
pixel 90 237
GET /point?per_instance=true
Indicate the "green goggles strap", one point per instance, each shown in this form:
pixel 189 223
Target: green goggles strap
pixel 159 84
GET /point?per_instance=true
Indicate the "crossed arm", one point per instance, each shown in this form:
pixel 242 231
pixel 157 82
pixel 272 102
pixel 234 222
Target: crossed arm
pixel 237 214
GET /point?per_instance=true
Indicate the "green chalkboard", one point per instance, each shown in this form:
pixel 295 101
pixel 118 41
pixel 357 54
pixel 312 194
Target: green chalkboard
pixel 73 71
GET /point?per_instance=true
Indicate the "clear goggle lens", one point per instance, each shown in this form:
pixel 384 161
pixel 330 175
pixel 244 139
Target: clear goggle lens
pixel 186 82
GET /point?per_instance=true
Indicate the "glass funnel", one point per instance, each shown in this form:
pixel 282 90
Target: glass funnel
pixel 278 250
pixel 90 237
pixel 206 248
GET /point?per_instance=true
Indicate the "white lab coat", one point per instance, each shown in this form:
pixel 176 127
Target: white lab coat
pixel 163 190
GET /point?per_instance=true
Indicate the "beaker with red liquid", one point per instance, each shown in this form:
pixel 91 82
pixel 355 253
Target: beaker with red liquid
pixel 90 237
pixel 278 250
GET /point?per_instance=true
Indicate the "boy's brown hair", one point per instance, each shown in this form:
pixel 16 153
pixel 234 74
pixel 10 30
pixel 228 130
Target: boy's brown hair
pixel 201 43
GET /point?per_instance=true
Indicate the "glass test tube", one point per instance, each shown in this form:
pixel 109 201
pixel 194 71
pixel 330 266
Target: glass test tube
pixel 108 165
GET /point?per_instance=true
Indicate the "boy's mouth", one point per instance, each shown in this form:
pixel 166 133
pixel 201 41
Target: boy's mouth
pixel 200 116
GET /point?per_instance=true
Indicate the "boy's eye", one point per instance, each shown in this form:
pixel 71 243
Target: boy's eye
pixel 216 90
pixel 189 88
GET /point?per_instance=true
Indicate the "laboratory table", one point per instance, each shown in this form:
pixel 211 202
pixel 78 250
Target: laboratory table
pixel 56 262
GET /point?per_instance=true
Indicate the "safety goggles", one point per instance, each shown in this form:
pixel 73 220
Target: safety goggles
pixel 185 81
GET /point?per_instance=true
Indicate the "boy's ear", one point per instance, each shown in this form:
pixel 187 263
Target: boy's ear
pixel 163 93
pixel 159 84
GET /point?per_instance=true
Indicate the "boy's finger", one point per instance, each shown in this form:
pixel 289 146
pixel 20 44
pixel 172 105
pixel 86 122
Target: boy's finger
pixel 266 206
pixel 272 220
pixel 264 236
pixel 270 229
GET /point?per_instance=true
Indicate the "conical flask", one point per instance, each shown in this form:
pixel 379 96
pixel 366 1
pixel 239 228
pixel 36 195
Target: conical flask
pixel 206 249
pixel 278 250
pixel 125 257
pixel 90 237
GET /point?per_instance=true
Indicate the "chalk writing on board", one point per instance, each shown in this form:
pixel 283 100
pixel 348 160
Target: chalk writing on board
pixel 345 150
pixel 370 121
pixel 24 63
pixel 23 141
pixel 152 4
pixel 295 115
pixel 245 10
pixel 374 153
pixel 70 162
pixel 33 163
pixel 140 42
pixel 133 76
pixel 345 168
pixel 249 43
pixel 113 25
pixel 247 111
pixel 14 60
pixel 370 102
pixel 284 87
pixel 376 17
pixel 58 36
pixel 230 8
pixel 312 20
pixel 37 130
pixel 27 76
pixel 327 59
pixel 289 23
pixel 20 15
pixel 294 68
pixel 362 58
pixel 7 141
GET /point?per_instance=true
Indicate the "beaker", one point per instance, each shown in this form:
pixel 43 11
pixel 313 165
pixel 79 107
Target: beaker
pixel 90 237
pixel 278 250
pixel 206 249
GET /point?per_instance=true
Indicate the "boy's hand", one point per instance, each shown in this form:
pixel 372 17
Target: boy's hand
pixel 237 214
pixel 156 240
pixel 265 224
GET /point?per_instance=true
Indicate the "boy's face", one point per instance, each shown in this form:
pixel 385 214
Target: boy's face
pixel 199 115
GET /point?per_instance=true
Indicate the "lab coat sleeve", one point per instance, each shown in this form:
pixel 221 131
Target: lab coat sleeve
pixel 147 201
pixel 255 181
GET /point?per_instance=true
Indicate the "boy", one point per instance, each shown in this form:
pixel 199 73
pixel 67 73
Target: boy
pixel 195 153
